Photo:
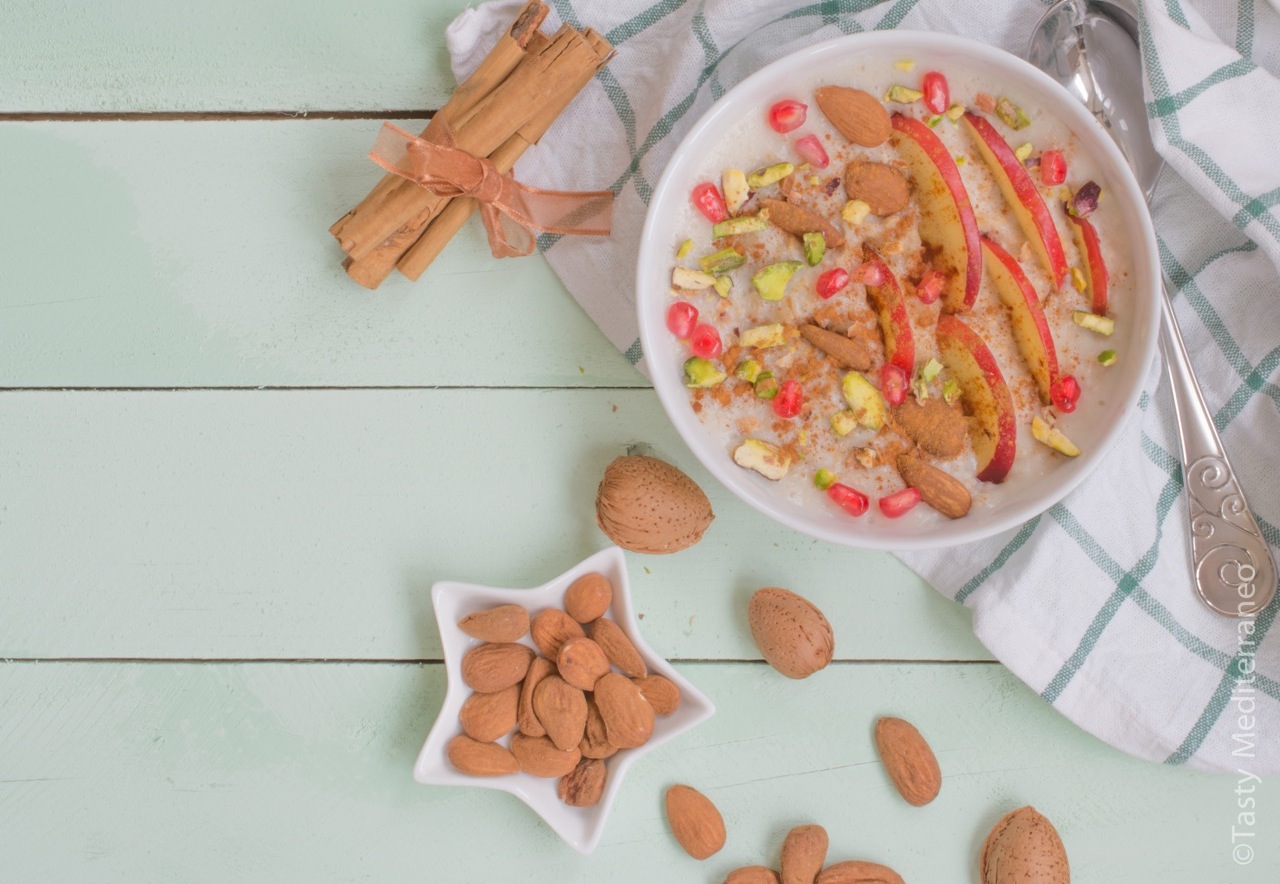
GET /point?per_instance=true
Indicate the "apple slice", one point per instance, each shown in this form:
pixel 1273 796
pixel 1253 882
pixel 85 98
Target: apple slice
pixel 1021 194
pixel 947 225
pixel 1030 328
pixel 1095 269
pixel 895 321
pixel 993 429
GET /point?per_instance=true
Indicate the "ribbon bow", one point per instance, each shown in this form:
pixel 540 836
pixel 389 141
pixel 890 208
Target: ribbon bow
pixel 511 211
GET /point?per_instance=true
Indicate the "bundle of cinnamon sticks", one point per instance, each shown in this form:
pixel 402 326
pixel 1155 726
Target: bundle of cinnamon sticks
pixel 498 112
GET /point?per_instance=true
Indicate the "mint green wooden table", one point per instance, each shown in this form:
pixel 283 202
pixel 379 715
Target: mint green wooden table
pixel 230 476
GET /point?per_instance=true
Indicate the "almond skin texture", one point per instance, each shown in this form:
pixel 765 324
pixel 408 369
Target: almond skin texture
pixel 908 760
pixel 582 662
pixel 938 428
pixel 648 506
pixel 478 759
pixel 856 872
pixel 859 116
pixel 505 623
pixel 803 852
pixel 797 220
pixel 940 490
pixel 793 635
pixel 487 717
pixel 618 648
pixel 588 597
pixel 595 740
pixel 846 351
pixel 526 718
pixel 583 786
pixel 661 692
pixel 1025 848
pixel 628 717
pixel 562 709
pixel 494 666
pixel 883 187
pixel 551 629
pixel 539 757
pixel 752 875
pixel 695 821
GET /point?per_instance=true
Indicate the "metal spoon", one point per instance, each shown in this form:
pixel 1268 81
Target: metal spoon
pixel 1091 48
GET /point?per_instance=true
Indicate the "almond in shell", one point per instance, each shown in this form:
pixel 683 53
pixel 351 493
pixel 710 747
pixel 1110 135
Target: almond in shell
pixel 857 115
pixel 797 220
pixel 551 628
pixel 495 665
pixel 620 650
pixel 857 872
pixel 581 662
pixel 628 717
pixel 478 759
pixel 695 821
pixel 588 597
pixel 595 740
pixel 504 623
pixel 909 761
pixel 1024 848
pixel 792 634
pixel 661 692
pixel 752 875
pixel 562 709
pixel 646 505
pixel 526 718
pixel 939 489
pixel 804 851
pixel 488 717
pixel 539 757
pixel 583 786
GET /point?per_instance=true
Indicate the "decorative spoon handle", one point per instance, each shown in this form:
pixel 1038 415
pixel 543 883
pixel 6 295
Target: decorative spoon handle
pixel 1231 562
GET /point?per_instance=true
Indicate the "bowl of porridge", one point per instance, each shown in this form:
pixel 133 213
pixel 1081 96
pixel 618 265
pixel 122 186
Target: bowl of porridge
pixel 898 290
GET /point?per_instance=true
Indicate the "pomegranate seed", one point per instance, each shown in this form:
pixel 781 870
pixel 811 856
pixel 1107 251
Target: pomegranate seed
pixel 811 149
pixel 851 500
pixel 705 341
pixel 1065 393
pixel 870 273
pixel 832 281
pixel 681 318
pixel 937 94
pixel 787 115
pixel 706 196
pixel 789 399
pixel 1053 168
pixel 930 286
pixel 899 502
pixel 894 383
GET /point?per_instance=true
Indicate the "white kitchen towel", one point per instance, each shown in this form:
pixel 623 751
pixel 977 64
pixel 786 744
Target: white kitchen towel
pixel 1089 603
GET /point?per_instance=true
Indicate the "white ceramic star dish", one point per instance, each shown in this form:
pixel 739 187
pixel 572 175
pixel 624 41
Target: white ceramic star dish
pixel 580 827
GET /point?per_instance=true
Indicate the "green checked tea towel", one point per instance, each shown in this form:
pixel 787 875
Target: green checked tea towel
pixel 1090 603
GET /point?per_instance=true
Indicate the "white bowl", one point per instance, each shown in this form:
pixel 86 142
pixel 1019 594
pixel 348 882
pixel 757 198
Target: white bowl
pixel 1094 427
pixel 580 827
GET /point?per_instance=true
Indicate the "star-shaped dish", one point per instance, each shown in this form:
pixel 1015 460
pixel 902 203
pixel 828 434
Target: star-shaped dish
pixel 580 827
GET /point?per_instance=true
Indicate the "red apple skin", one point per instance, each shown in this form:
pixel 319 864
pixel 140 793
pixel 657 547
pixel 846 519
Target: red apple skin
pixel 994 431
pixel 1095 268
pixel 947 222
pixel 895 321
pixel 1030 328
pixel 1021 192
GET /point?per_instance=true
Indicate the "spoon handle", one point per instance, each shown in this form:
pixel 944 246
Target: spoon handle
pixel 1231 562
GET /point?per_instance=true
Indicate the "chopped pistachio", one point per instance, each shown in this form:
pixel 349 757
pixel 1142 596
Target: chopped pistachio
pixel 764 336
pixel 903 94
pixel 1078 279
pixel 749 370
pixel 683 277
pixel 771 282
pixel 920 389
pixel 906 65
pixel 734 184
pixel 1103 325
pixel 766 385
pixel 768 460
pixel 721 262
pixel 950 390
pixel 769 175
pixel 699 372
pixel 1023 151
pixel 1107 357
pixel 723 285
pixel 1052 437
pixel 855 212
pixel 814 180
pixel 1011 114
pixel 844 422
pixel 815 246
pixel 685 248
pixel 961 159
pixel 955 112
pixel 930 370
pixel 868 406
pixel 824 479
pixel 933 121
pixel 741 224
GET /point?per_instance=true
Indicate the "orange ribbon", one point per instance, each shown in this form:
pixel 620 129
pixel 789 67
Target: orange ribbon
pixel 510 210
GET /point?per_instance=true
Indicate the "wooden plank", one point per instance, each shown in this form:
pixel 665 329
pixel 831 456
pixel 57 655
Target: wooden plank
pixel 311 524
pixel 71 55
pixel 197 254
pixel 271 772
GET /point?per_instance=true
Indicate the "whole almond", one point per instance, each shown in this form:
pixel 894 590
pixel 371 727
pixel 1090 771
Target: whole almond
pixel 791 633
pixel 797 220
pixel 661 692
pixel 539 757
pixel 908 760
pixel 752 875
pixel 562 709
pixel 646 505
pixel 504 623
pixel 488 717
pixel 583 786
pixel 940 490
pixel 495 665
pixel 526 718
pixel 618 648
pixel 478 759
pixel 859 116
pixel 1024 847
pixel 581 662
pixel 551 629
pixel 595 739
pixel 588 597
pixel 881 186
pixel 856 872
pixel 938 428
pixel 804 850
pixel 628 717
pixel 846 351
pixel 695 821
